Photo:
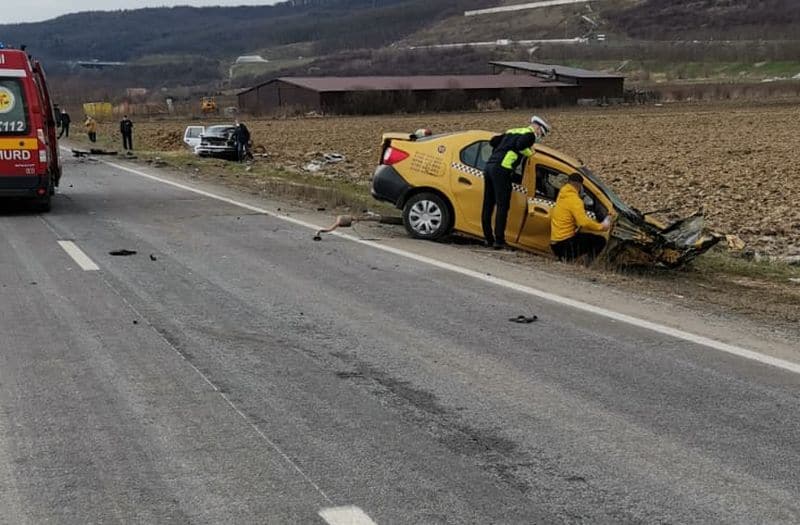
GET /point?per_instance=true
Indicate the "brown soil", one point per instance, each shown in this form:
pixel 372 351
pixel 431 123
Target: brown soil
pixel 736 162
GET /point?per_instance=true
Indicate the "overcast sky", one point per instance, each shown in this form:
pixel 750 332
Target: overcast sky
pixel 13 11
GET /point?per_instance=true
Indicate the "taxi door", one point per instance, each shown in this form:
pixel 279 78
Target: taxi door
pixel 543 180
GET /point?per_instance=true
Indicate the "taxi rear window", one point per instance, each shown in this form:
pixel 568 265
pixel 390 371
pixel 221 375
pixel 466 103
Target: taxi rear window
pixel 13 107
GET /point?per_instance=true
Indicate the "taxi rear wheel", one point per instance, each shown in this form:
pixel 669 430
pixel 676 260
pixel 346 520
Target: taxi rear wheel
pixel 427 216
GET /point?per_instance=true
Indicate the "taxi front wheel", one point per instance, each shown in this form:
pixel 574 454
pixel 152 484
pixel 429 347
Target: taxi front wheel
pixel 427 216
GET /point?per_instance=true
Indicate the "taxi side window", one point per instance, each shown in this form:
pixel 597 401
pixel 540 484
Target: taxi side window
pixel 548 182
pixel 476 154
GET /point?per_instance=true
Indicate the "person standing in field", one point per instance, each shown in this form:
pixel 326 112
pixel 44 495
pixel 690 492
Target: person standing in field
pixel 65 122
pixel 242 139
pixel 91 128
pixel 126 128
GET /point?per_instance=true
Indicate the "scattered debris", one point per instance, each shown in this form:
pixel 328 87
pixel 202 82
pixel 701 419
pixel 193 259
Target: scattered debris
pixel 332 158
pixel 313 166
pixel 318 164
pixel 792 260
pixel 153 257
pixel 523 319
pixel 735 243
pixel 795 280
pixel 122 253
pixel 345 221
pixel 93 151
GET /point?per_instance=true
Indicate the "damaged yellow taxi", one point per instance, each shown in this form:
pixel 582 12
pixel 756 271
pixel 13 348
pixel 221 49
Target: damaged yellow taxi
pixel 437 180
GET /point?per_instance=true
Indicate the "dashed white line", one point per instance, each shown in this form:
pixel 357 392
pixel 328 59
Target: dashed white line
pixel 78 256
pixel 345 516
pixel 564 301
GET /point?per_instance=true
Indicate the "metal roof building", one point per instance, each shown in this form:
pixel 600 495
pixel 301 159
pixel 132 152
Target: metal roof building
pixel 591 84
pixel 386 94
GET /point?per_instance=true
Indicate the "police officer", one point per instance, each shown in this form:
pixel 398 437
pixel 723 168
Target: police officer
pixel 126 128
pixel 509 150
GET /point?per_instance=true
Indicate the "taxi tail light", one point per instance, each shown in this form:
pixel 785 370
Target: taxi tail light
pixel 393 156
pixel 43 156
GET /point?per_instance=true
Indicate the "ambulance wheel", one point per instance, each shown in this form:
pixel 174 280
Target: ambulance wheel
pixel 43 204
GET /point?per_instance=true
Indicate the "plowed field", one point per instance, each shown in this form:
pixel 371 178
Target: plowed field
pixel 737 163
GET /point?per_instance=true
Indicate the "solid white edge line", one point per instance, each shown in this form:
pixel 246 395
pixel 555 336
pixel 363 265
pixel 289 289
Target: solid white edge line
pixel 78 256
pixel 564 301
pixel 345 516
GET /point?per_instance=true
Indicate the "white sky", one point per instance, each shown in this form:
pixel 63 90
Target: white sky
pixel 14 11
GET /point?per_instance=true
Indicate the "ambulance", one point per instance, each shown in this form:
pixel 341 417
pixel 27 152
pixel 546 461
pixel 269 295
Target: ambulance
pixel 29 164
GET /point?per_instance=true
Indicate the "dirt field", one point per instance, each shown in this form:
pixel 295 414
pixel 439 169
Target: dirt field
pixel 736 162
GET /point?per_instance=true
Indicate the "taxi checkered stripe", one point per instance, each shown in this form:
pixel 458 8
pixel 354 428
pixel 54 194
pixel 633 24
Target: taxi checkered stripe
pixel 469 170
pixel 542 202
pixel 475 172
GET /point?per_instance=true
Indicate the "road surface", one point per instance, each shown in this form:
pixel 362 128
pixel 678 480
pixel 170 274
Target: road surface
pixel 233 371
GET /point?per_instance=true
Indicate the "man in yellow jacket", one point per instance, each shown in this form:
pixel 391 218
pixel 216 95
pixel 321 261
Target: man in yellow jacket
pixel 91 128
pixel 569 224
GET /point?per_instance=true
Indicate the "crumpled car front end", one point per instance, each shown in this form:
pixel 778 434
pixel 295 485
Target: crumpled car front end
pixel 636 241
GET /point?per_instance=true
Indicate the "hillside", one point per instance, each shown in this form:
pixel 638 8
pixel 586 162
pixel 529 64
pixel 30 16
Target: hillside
pixel 328 26
pixel 220 32
pixel 185 46
pixel 710 19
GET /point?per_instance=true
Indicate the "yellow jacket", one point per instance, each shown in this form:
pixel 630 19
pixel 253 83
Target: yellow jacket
pixel 569 215
pixel 91 125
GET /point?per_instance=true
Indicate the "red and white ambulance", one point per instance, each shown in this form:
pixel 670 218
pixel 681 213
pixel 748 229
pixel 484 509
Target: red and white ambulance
pixel 29 162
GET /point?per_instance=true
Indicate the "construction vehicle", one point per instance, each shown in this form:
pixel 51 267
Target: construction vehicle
pixel 29 161
pixel 208 105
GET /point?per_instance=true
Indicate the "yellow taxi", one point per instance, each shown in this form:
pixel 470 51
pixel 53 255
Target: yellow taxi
pixel 437 180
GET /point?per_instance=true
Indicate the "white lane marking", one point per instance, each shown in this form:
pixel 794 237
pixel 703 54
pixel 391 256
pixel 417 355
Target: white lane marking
pixel 564 301
pixel 78 256
pixel 345 516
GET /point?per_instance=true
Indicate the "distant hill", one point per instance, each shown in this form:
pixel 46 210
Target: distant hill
pixel 705 19
pixel 185 46
pixel 218 32
pixel 328 26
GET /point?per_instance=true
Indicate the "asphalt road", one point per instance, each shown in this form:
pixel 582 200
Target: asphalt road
pixel 244 374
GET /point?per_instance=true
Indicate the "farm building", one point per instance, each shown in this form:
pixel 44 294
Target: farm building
pixel 359 95
pixel 591 84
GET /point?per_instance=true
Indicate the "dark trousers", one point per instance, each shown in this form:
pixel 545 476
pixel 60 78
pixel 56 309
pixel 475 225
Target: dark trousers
pixel 127 140
pixel 93 136
pixel 496 199
pixel 578 246
pixel 64 130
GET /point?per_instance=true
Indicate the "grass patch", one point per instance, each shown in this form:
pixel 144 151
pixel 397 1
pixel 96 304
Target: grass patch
pixel 723 263
pixel 269 180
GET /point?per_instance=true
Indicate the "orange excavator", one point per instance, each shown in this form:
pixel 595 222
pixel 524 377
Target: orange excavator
pixel 208 105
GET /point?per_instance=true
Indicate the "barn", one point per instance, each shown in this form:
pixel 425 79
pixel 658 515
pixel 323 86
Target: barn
pixel 591 84
pixel 376 94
